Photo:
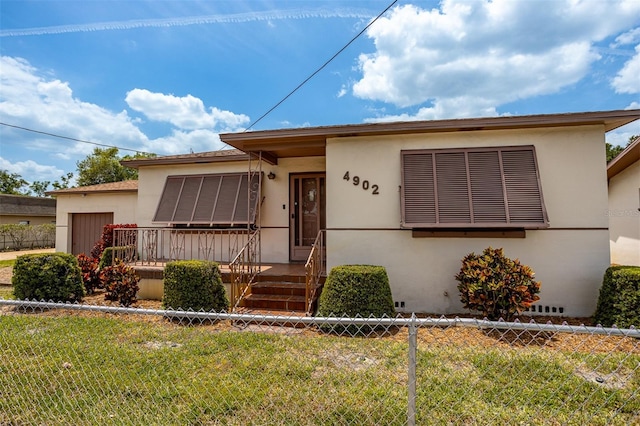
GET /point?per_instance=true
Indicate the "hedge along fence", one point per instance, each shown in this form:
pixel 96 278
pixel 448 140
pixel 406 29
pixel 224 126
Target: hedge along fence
pixel 619 300
pixel 19 237
pixel 47 276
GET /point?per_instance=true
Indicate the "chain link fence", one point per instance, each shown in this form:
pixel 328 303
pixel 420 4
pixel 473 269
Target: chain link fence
pixel 66 364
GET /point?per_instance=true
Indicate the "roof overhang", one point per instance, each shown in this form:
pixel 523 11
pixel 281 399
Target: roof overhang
pixel 195 158
pixel 311 141
pixel 630 155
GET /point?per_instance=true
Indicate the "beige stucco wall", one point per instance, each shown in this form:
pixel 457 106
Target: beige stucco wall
pixel 569 257
pixel 33 220
pixel 274 208
pixel 123 205
pixel 624 216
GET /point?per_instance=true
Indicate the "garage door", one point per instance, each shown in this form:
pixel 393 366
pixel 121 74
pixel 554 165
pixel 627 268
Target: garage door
pixel 86 229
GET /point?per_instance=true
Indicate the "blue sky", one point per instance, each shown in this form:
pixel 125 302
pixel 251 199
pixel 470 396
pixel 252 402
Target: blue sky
pixel 169 76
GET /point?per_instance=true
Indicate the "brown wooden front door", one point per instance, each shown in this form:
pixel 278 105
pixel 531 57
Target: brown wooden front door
pixel 307 215
pixel 86 230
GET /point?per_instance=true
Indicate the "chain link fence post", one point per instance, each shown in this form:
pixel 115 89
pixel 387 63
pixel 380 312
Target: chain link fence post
pixel 411 379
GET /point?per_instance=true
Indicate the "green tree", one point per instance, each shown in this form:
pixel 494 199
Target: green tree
pixel 38 188
pixel 614 150
pixel 12 183
pixel 64 182
pixel 103 166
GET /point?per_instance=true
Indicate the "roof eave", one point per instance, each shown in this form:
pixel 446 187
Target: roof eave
pixel 162 161
pixel 275 140
pixel 630 155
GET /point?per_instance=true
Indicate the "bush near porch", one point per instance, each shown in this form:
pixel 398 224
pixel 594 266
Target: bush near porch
pixel 356 290
pixel 194 284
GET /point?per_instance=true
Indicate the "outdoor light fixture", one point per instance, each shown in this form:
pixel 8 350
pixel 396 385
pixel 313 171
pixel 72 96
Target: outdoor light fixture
pixel 271 176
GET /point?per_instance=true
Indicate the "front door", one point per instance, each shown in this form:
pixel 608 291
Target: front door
pixel 307 216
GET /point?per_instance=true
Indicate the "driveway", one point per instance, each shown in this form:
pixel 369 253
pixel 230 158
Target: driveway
pixel 6 272
pixel 8 255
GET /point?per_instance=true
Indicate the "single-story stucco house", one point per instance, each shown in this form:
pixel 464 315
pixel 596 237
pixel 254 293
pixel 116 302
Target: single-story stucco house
pixel 623 175
pixel 414 197
pixel 83 211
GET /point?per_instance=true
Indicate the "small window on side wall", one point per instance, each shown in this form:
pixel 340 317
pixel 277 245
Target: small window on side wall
pixel 495 187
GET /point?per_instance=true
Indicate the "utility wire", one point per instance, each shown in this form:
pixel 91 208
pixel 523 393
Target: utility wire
pixel 73 139
pixel 322 67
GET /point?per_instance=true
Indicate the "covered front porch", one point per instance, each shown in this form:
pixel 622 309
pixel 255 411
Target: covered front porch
pixel 251 284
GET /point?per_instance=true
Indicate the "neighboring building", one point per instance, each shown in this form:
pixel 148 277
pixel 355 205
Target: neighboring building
pixel 82 213
pixel 414 197
pixel 623 174
pixel 25 210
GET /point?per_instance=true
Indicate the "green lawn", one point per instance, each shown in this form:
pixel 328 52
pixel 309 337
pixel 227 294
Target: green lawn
pixel 109 370
pixel 6 292
pixel 5 263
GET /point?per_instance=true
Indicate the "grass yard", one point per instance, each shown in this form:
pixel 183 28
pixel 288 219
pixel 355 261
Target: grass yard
pixel 6 292
pixel 7 262
pixel 110 370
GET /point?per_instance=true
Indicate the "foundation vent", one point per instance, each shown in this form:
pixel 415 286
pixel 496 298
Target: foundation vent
pixel 546 310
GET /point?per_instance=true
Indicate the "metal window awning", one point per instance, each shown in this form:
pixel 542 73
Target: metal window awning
pixel 222 199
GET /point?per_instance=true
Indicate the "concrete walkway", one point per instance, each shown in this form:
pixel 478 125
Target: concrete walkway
pixel 9 255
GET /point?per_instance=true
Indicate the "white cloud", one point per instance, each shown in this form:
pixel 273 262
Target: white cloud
pixel 31 171
pixel 628 78
pixel 468 57
pixel 630 37
pixel 181 142
pixel 264 16
pixel 186 112
pixel 32 100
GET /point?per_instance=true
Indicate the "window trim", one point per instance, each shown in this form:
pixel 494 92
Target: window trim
pixel 252 187
pixel 509 222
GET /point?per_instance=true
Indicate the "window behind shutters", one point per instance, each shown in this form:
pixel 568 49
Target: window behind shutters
pixel 472 188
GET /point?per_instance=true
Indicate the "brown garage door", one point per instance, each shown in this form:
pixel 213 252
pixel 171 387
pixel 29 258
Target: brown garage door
pixel 86 229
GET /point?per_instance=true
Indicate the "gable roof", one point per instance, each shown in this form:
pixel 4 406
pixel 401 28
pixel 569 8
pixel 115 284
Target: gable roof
pixel 14 205
pixel 311 141
pixel 193 158
pixel 630 155
pixel 123 186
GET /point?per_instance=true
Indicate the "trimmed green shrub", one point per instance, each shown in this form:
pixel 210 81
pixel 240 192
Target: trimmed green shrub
pixel 106 240
pixel 495 285
pixel 106 259
pixel 47 276
pixel 121 283
pixel 91 275
pixel 619 300
pixel 356 290
pixel 194 284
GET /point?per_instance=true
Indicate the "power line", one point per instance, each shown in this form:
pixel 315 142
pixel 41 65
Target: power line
pixel 73 139
pixel 322 67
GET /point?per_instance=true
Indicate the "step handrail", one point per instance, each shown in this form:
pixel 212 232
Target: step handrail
pixel 314 268
pixel 244 268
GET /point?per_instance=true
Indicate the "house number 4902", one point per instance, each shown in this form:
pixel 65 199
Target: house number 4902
pixel 363 183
